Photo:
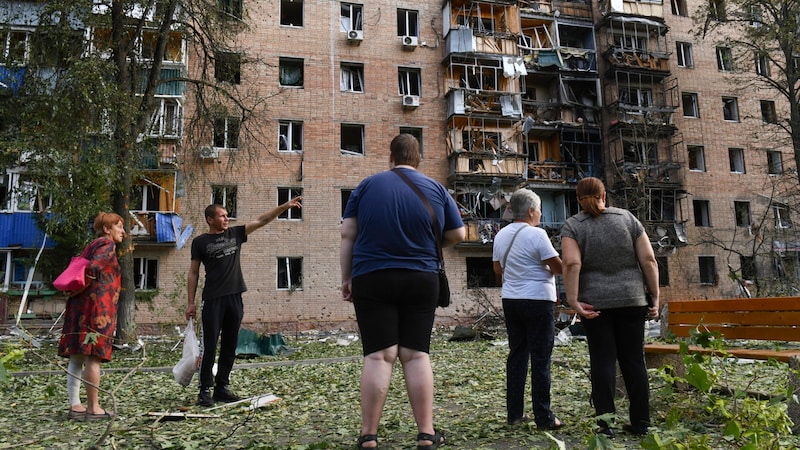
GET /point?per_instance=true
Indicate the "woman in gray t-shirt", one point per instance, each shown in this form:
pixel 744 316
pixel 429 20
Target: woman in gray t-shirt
pixel 608 263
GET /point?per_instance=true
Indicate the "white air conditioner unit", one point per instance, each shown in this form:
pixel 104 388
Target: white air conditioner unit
pixel 208 152
pixel 355 36
pixel 410 101
pixel 410 42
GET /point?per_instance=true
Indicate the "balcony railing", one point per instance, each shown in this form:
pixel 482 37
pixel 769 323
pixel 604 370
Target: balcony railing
pixel 469 164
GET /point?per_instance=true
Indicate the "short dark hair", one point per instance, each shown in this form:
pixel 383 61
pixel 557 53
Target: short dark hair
pixel 405 150
pixel 211 210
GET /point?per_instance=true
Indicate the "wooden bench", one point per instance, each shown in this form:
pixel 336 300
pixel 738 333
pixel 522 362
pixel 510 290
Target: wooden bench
pixel 775 319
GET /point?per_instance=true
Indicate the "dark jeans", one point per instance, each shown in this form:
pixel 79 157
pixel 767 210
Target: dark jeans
pixel 222 317
pixel 617 335
pixel 531 331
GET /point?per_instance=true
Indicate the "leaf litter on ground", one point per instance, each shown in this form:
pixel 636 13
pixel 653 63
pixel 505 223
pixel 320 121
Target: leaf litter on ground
pixel 318 384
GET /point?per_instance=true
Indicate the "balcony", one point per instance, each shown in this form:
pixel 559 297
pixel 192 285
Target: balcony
pixel 159 228
pixel 474 165
pixel 465 101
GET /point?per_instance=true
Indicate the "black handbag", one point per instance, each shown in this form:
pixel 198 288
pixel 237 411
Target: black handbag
pixel 444 285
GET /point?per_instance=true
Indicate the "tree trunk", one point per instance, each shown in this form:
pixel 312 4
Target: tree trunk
pixel 126 308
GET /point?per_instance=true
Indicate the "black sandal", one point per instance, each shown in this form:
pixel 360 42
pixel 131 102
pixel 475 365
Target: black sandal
pixel 367 438
pixel 437 439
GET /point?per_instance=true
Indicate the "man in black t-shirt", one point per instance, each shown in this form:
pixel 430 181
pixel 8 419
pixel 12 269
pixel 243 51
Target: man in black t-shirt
pixel 218 250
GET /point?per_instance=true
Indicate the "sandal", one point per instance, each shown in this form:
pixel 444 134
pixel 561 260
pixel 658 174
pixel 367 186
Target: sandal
pixel 437 439
pixel 556 424
pixel 99 416
pixel 367 438
pixel 76 415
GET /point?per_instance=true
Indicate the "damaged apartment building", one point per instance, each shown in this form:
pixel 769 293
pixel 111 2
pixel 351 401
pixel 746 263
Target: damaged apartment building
pixel 543 93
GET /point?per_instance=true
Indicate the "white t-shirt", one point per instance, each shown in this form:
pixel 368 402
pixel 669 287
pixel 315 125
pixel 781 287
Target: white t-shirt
pixel 525 275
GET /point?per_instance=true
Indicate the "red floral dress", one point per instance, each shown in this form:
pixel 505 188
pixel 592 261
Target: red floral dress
pixel 91 315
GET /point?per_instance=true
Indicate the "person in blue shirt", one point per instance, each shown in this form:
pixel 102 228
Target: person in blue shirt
pixel 390 263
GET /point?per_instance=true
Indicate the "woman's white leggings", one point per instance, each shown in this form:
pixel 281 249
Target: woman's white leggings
pixel 74 370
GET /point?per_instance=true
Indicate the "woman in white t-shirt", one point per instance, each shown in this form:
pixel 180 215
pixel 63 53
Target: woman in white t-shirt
pixel 525 257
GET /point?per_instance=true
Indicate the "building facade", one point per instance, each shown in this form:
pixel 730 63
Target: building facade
pixel 502 95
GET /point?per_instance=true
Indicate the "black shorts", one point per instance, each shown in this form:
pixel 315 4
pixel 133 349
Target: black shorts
pixel 395 307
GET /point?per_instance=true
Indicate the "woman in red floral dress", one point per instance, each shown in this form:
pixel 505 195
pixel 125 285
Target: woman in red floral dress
pixel 91 318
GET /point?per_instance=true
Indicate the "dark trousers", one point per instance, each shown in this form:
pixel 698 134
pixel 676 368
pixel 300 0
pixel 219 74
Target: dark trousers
pixel 617 335
pixel 222 318
pixel 531 331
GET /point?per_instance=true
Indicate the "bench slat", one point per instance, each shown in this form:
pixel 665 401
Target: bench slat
pixel 737 304
pixel 774 318
pixel 760 354
pixel 743 332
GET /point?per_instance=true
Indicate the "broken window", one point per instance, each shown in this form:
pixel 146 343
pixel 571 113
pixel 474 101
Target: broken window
pixel 22 194
pixel 231 8
pixel 352 139
pixel 228 67
pixel 145 273
pixel 641 153
pixel 697 161
pixel 167 118
pixel 708 269
pixel 730 109
pixel 774 162
pixel 689 103
pixel 286 194
pixel 724 59
pixel 290 138
pixel 225 195
pixel 345 197
pixel 702 213
pixel 768 114
pixel 290 72
pixel 684 54
pixel 762 64
pixel 736 156
pixel 14 47
pixel 679 8
pixel 742 212
pixel 409 81
pixel 290 273
pixel 351 17
pixel 226 132
pixel 663 270
pixel 716 9
pixel 407 24
pixel 480 272
pixel 352 78
pixel 635 96
pixel 417 133
pixel 292 13
pixel 781 214
pixel 145 197
pixel 631 42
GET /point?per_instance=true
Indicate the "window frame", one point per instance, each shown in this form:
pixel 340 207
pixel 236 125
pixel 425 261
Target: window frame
pixel 284 19
pixel 287 267
pixel 684 54
pixel 730 109
pixel 409 81
pixel 231 8
pixel 679 8
pixel 351 17
pixel 406 24
pixel 20 54
pixel 724 59
pixel 417 132
pixel 702 213
pixel 774 167
pixel 736 160
pixel 699 159
pixel 768 112
pixel 142 195
pixel 230 131
pixel 228 67
pixel 762 64
pixel 344 141
pixel 285 64
pixel 782 215
pixel 290 132
pixel 344 197
pixel 741 213
pixel 167 118
pixel 707 266
pixel 226 195
pixel 351 77
pixel 693 98
pixel 284 195
pixel 142 268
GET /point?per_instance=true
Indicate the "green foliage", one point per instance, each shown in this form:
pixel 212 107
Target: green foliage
pixel 7 359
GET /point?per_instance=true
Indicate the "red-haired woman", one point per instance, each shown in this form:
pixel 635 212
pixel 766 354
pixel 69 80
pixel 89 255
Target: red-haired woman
pixel 91 318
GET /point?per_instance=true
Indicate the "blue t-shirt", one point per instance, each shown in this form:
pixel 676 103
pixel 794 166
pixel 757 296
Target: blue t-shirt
pixel 395 230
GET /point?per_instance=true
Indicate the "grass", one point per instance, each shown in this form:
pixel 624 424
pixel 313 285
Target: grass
pixel 319 407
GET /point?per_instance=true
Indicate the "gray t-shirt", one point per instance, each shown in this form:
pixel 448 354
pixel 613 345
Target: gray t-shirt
pixel 610 274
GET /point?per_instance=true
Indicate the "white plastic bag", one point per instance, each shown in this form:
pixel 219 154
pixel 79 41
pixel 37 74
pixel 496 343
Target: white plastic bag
pixel 189 363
